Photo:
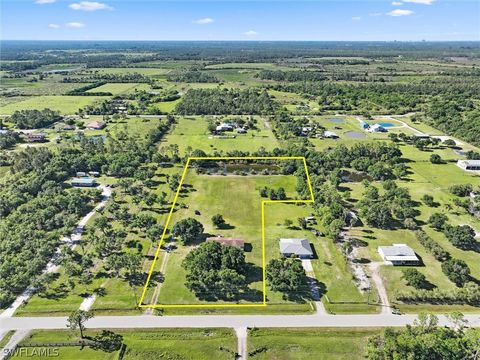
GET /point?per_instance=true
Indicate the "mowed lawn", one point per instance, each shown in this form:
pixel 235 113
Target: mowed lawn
pixel 64 104
pixel 334 277
pixel 193 131
pixel 198 344
pixel 306 344
pixel 237 199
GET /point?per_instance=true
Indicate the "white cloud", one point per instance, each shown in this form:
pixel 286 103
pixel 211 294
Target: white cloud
pixel 89 6
pixel 250 33
pixel 400 12
pixel 53 26
pixel 356 18
pixel 42 2
pixel 397 3
pixel 74 25
pixel 423 2
pixel 204 21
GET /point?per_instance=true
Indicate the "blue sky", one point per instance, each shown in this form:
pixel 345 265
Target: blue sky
pixel 402 20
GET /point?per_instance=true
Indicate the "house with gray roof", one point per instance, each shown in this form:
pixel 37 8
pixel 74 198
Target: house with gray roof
pixel 398 254
pixel 296 247
pixel 84 182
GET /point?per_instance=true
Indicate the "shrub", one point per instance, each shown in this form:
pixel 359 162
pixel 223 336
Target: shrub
pixel 437 221
pixel 432 246
pixel 462 236
pixel 414 278
pixel 457 271
pixel 461 189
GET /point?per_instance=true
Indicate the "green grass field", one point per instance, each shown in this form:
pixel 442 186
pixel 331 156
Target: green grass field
pixel 193 132
pixel 425 178
pixel 210 196
pixel 64 104
pixel 149 344
pixel 303 344
pixel 120 88
pixel 131 70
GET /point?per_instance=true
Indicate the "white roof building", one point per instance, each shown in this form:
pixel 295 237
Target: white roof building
pixel 377 128
pixel 471 165
pixel 330 134
pixel 398 254
pixel 224 127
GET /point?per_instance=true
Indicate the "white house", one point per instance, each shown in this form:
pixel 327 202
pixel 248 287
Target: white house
pixel 470 165
pixel 398 254
pixel 224 127
pixel 330 135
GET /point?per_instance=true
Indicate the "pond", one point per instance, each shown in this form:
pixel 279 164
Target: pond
pixel 386 124
pixel 355 176
pixel 355 135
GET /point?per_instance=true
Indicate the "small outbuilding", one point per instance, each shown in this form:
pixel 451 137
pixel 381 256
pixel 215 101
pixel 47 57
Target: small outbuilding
pixel 296 247
pixel 398 254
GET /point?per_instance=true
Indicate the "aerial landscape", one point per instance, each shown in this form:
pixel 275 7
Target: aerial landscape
pixel 201 190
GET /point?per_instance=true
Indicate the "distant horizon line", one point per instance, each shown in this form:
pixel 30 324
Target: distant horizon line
pixel 250 41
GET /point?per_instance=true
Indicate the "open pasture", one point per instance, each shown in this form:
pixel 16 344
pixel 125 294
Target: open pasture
pixel 64 104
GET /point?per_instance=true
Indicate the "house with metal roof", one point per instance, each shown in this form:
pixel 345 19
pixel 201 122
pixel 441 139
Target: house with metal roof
pixel 470 165
pixel 296 247
pixel 84 182
pixel 398 254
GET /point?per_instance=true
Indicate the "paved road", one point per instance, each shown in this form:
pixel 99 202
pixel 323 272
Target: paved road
pixel 229 321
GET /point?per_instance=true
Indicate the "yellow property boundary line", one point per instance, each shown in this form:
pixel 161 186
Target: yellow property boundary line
pixel 264 284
